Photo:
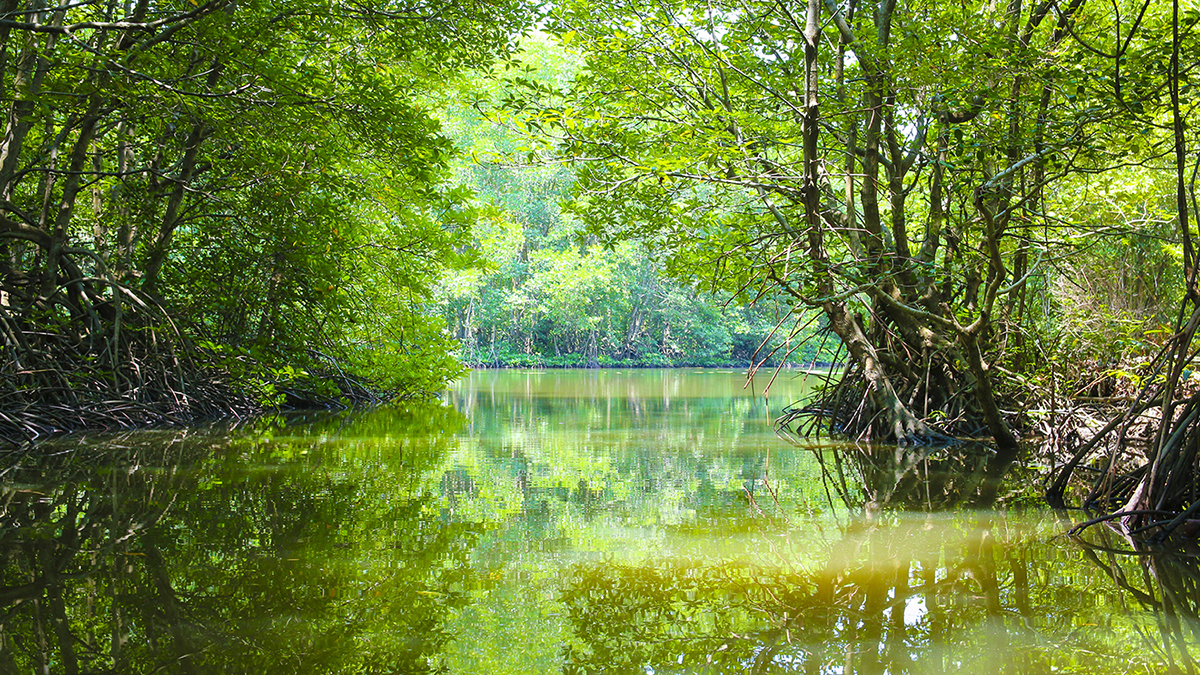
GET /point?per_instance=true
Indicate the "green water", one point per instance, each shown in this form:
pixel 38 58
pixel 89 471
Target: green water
pixel 563 521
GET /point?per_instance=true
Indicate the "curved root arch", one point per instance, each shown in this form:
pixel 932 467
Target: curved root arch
pixel 86 351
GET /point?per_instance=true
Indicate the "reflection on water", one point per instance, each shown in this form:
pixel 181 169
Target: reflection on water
pixel 575 522
pixel 921 478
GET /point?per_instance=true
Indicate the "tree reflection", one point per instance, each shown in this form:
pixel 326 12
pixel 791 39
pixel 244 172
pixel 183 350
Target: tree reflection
pixel 1162 584
pixel 907 598
pixel 915 477
pixel 216 562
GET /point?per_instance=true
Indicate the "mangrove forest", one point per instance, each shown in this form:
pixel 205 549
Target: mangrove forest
pixel 635 336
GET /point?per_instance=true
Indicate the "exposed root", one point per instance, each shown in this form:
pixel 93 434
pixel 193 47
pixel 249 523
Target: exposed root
pixel 1147 459
pixel 85 360
pixel 845 408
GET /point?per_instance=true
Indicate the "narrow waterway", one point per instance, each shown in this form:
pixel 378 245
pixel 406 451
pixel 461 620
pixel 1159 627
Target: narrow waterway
pixel 562 522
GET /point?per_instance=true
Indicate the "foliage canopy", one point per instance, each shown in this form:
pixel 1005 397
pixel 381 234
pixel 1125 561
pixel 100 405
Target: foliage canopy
pixel 265 176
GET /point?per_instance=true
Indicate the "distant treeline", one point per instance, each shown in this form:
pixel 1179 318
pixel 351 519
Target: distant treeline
pixel 560 307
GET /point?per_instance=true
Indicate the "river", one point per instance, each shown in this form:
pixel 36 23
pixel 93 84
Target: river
pixel 562 522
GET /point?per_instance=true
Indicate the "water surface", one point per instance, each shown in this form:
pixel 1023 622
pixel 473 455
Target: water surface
pixel 561 521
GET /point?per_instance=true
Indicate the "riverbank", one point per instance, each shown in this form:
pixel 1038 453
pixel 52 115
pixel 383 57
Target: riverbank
pixel 68 391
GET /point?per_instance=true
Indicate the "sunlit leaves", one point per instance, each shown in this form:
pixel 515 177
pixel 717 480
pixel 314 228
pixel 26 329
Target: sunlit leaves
pixel 269 169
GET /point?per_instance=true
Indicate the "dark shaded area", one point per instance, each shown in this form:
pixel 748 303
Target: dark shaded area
pixel 113 369
pixel 180 557
pixel 131 367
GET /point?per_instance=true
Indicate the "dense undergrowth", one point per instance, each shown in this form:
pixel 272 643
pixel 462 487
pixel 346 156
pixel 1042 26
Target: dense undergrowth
pixel 133 367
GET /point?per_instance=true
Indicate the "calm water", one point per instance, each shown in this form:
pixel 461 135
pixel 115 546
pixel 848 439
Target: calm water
pixel 573 522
